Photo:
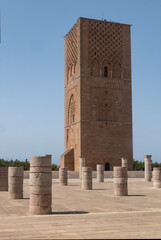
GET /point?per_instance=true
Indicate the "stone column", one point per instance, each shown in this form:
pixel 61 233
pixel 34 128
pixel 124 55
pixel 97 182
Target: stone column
pixel 15 182
pixel 63 177
pixel 3 178
pixel 120 181
pixel 81 164
pixel 148 173
pixel 157 177
pixel 124 162
pixel 40 185
pixel 100 173
pixel 86 178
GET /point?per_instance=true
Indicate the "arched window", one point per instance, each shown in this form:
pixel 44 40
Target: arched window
pixel 95 68
pixel 107 166
pixel 105 71
pixel 106 68
pixel 71 110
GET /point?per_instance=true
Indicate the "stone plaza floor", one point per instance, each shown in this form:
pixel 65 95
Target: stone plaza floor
pixel 90 214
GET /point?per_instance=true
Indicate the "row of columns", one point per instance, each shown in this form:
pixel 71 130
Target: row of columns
pixel 11 180
pixel 41 180
pixel 85 174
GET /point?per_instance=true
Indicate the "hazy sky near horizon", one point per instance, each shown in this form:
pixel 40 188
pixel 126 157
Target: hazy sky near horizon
pixel 32 72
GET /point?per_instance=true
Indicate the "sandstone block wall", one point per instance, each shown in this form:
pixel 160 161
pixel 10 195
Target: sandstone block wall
pixel 98 100
pixel 67 160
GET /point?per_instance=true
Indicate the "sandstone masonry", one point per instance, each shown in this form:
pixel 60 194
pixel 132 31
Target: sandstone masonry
pixel 40 185
pixel 98 100
pixel 15 182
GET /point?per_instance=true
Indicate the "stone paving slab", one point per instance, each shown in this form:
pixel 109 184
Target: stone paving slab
pixel 87 214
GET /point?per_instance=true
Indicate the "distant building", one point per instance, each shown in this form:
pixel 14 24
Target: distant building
pixel 98 99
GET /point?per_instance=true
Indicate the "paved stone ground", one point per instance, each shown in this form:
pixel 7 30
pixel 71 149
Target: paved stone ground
pixel 86 214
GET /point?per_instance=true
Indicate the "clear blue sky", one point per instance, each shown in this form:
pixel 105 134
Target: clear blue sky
pixel 32 72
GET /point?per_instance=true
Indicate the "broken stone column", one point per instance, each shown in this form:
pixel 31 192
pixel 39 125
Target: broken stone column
pixel 100 173
pixel 63 177
pixel 120 181
pixel 40 185
pixel 148 173
pixel 157 177
pixel 81 164
pixel 3 178
pixel 86 178
pixel 15 182
pixel 124 162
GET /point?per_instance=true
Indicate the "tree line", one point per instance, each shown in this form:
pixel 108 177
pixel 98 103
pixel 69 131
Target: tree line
pixel 25 164
pixel 137 165
pixel 140 166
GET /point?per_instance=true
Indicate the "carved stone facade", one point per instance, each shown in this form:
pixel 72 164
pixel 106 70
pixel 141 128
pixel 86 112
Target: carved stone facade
pixel 98 101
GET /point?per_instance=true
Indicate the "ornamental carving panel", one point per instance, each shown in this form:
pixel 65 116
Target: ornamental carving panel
pixel 102 108
pixel 71 52
pixel 105 41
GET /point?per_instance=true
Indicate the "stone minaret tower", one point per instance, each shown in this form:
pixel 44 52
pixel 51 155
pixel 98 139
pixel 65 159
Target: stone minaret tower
pixel 98 100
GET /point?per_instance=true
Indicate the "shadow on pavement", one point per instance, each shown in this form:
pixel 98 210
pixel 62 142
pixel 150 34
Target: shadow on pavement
pixel 70 212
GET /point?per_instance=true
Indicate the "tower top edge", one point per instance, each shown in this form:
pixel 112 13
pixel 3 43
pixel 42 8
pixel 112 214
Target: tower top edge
pixel 98 20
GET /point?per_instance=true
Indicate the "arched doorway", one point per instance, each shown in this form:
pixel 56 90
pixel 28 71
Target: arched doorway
pixel 107 167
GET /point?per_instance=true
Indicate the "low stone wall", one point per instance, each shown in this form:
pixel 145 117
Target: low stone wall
pixel 107 174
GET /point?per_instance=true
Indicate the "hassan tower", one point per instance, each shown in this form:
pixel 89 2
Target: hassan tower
pixel 98 99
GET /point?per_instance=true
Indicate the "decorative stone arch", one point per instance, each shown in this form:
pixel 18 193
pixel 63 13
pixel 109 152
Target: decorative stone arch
pixel 116 69
pixel 105 110
pixel 71 110
pixel 106 68
pixel 95 67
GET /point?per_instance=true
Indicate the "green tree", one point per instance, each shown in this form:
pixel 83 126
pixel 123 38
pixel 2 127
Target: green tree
pixel 55 167
pixel 138 165
pixel 25 164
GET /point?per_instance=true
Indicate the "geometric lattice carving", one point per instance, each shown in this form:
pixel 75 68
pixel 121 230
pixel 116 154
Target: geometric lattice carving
pixel 105 41
pixel 71 53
